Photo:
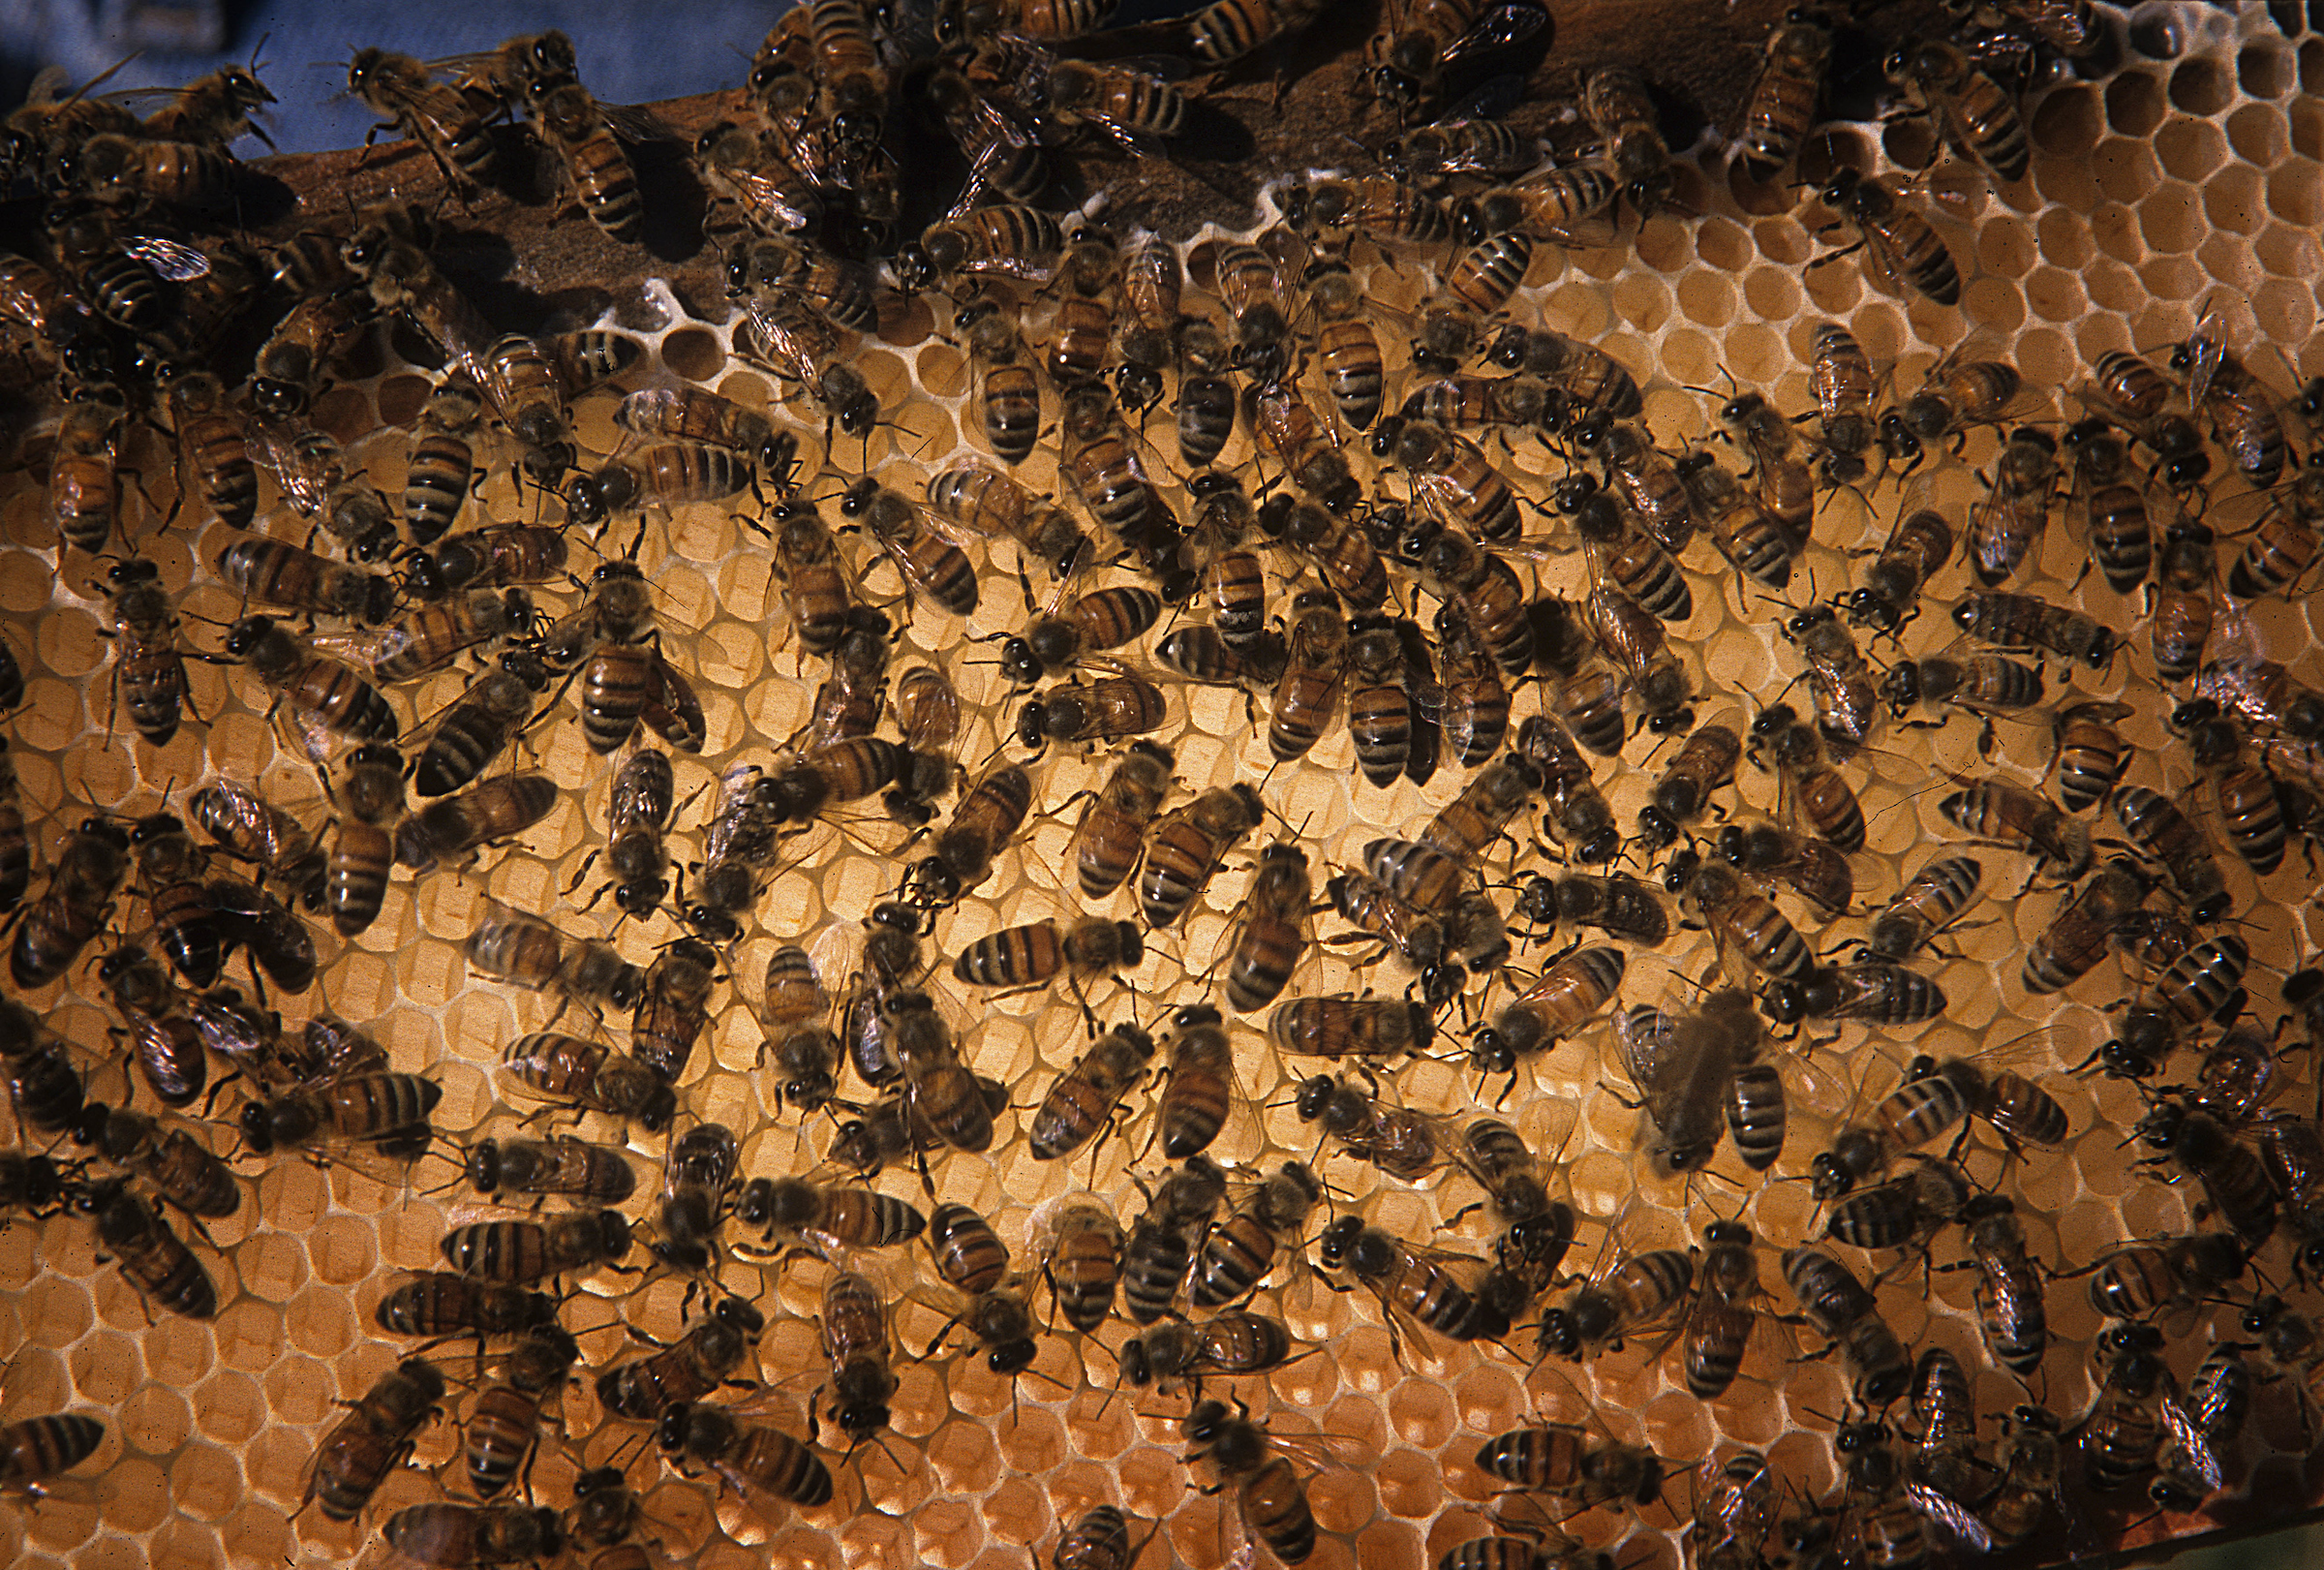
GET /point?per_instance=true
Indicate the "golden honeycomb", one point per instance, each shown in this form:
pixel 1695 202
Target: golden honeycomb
pixel 2170 184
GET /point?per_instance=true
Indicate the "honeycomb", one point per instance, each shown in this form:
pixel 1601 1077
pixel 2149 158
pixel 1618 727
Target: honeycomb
pixel 2190 174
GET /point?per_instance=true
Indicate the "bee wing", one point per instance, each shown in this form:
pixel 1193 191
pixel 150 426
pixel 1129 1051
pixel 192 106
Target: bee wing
pixel 2235 638
pixel 498 910
pixel 2200 1458
pixel 672 708
pixel 733 810
pixel 179 263
pixel 1643 1038
pixel 303 724
pixel 2059 1046
pixel 635 123
pixel 772 196
pixel 1820 1091
pixel 1956 1519
pixel 364 646
pixel 1499 29
pixel 915 573
pixel 2206 350
pixel 1322 1451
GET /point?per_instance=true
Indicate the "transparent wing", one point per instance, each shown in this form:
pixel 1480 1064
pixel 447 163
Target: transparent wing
pixel 179 263
pixel 1956 1519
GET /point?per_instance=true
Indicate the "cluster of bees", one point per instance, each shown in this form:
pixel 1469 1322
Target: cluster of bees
pixel 1416 615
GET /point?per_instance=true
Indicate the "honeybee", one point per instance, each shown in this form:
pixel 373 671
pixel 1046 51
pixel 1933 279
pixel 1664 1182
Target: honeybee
pixel 155 1261
pixel 667 475
pixel 2121 1435
pixel 577 129
pixel 1921 543
pixel 1007 241
pixel 1391 687
pixel 1840 1305
pixel 855 1342
pixel 84 481
pixel 294 363
pixel 986 501
pixel 327 695
pixel 1083 1263
pixel 928 564
pixel 1979 115
pixel 2022 819
pixel 399 90
pixel 1240 1254
pixel 2263 693
pixel 1989 684
pixel 1745 532
pixel 1932 1098
pixel 521 1253
pixel 166 1043
pixel 1031 955
pixel 1304 448
pixel 1451 474
pixel 2235 1180
pixel 549 1066
pixel 1932 900
pixel 1705 762
pixel 1747 928
pixel 967 1252
pixel 1130 107
pixel 685 1370
pixel 1568 993
pixel 2132 394
pixel 1782 104
pixel 840 1219
pixel 1899 240
pixel 1780 473
pixel 2166 835
pixel 175 1163
pixel 2242 410
pixel 44 1085
pixel 1008 392
pixel 1640 1291
pixel 553 1166
pixel 1578 812
pixel 1400 1142
pixel 1226 30
pixel 749 1455
pixel 2005 526
pixel 799 344
pixel 1648 479
pixel 673 1006
pixel 211 461
pixel 438 1533
pixel 1615 103
pixel 497 809
pixel 506 1424
pixel 35 1448
pixel 364 1446
pixel 1341 552
pixel 1268 1486
pixel 387 1111
pixel 277 573
pixel 1188 844
pixel 1409 1281
pixel 1813 796
pixel 53 931
pixel 1232 1342
pixel 149 671
pixel 1464 403
pixel 741 166
pixel 1686 1073
pixel 519 948
pixel 1161 1245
